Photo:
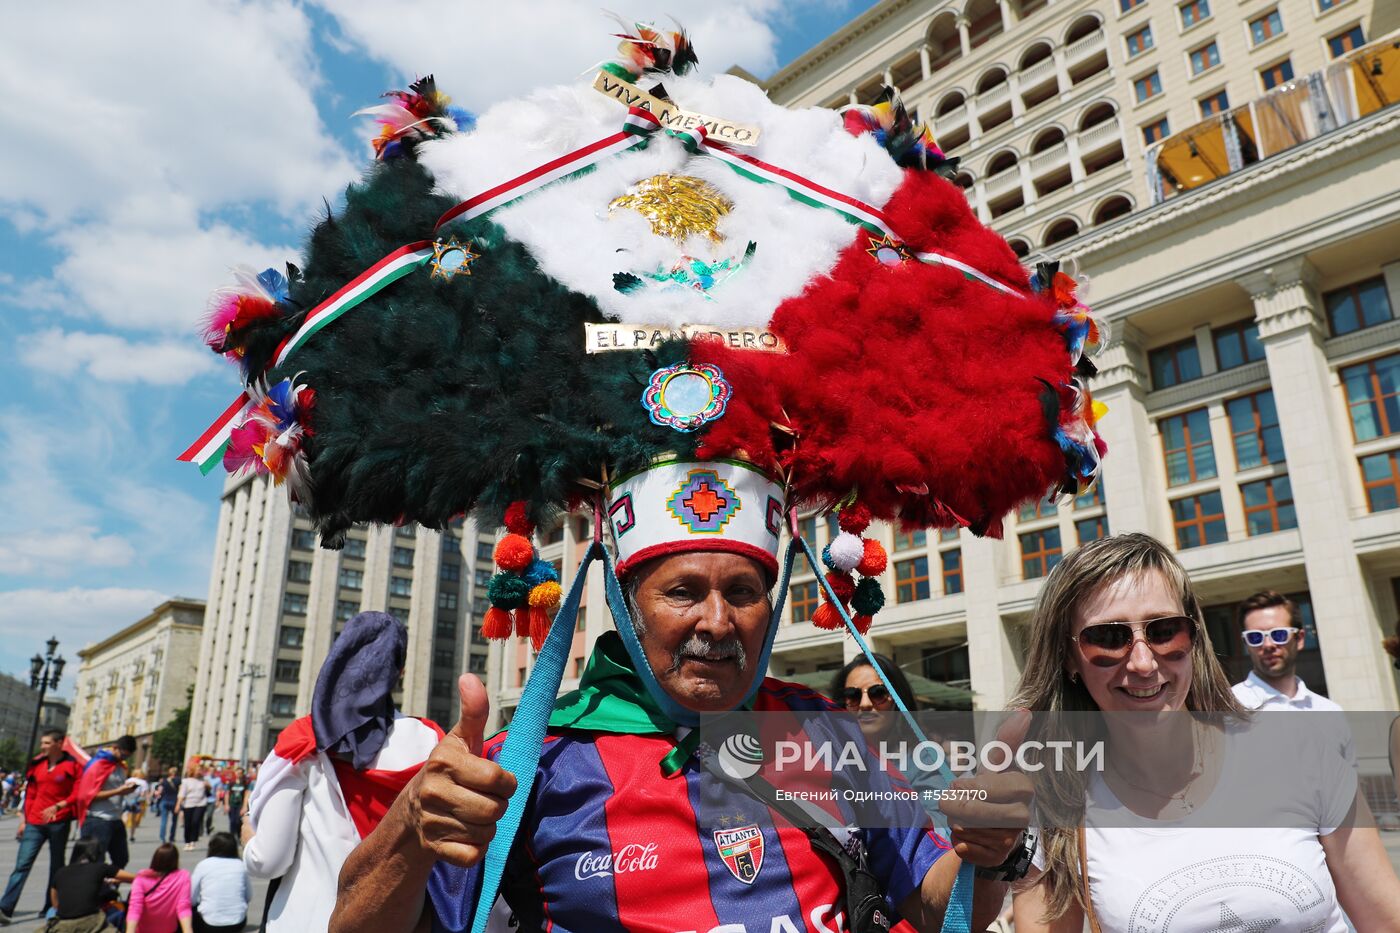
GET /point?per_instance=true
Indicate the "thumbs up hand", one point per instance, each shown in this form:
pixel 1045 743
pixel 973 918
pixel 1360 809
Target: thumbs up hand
pixel 987 822
pixel 455 801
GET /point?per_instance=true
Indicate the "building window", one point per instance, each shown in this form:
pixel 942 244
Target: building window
pixel 403 556
pixel 446 629
pixel 1265 27
pixel 807 528
pixel 1219 102
pixel 405 531
pixel 287 671
pixel 520 676
pixel 1193 12
pixel 283 705
pixel 299 571
pixel 1344 42
pixel 294 604
pixel 952 571
pixel 1094 497
pixel 352 579
pixel 483 578
pixel 1147 87
pixel 911 580
pixel 480 604
pixel 1186 447
pixel 1268 506
pixel 1040 552
pixel 555 534
pixel 1156 131
pixel 1380 474
pixel 1207 56
pixel 1325 5
pixel 1091 529
pixel 1371 390
pixel 354 547
pixel 1040 508
pixel 1140 41
pixel 303 539
pixel 1175 363
pixel 1126 5
pixel 447 599
pixel 1199 520
pixel 804 599
pixel 484 550
pixel 1276 74
pixel 345 610
pixel 833 525
pixel 476 663
pixel 291 636
pixel 451 571
pixel 1254 429
pixel 443 657
pixel 905 541
pixel 948 535
pixel 1237 344
pixel 1357 306
pixel 400 586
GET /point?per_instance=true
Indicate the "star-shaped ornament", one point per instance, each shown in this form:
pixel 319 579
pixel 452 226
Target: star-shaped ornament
pixel 451 258
pixel 1230 922
pixel 888 251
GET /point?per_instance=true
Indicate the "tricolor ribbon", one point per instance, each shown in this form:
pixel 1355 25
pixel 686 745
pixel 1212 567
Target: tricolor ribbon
pixel 638 127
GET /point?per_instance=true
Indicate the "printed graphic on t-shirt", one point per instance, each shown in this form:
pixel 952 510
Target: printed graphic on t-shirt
pixel 1232 894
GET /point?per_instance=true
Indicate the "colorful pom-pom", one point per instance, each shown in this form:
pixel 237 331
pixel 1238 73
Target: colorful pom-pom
pixel 869 598
pixel 518 519
pixel 874 562
pixel 539 625
pixel 827 617
pixel 507 591
pixel 842 585
pixel 862 623
pixel 846 551
pixel 514 552
pixel 496 623
pixel 546 596
pixel 522 622
pixel 826 558
pixel 854 519
pixel 540 571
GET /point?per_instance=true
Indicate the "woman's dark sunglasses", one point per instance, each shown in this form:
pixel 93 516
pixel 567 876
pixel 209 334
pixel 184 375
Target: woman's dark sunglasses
pixel 878 694
pixel 1106 644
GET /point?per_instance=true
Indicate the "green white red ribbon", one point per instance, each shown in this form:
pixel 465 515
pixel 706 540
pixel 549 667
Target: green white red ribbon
pixel 637 129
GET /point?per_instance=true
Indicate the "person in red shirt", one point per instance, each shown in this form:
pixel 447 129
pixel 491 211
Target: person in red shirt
pixel 47 817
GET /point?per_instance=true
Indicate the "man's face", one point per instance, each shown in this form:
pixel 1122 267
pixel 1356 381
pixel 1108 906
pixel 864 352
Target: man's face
pixel 702 622
pixel 172 772
pixel 1269 659
pixel 47 746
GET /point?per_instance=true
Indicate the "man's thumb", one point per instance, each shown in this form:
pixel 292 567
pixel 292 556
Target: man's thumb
pixel 476 706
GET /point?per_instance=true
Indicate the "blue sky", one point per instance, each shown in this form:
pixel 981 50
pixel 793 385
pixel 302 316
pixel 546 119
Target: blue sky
pixel 152 146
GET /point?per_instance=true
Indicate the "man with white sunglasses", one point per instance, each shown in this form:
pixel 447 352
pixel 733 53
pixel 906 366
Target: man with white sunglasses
pixel 1273 635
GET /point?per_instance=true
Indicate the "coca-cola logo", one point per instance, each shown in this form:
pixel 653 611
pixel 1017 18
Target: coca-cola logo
pixel 630 858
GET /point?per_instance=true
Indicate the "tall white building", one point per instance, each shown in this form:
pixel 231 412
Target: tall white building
pixel 277 600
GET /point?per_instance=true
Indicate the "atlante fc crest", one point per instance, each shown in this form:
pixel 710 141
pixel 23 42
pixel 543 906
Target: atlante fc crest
pixel 742 851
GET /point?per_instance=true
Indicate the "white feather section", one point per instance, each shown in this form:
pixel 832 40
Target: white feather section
pixel 568 228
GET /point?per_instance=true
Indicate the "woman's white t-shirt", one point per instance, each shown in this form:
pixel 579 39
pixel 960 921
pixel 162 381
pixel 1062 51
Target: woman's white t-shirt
pixel 1205 875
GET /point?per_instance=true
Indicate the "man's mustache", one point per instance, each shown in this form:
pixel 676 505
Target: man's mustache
pixel 702 646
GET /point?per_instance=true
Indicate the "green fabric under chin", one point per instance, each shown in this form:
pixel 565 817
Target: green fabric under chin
pixel 610 696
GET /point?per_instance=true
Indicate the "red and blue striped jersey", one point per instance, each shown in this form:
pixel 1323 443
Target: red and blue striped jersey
pixel 608 843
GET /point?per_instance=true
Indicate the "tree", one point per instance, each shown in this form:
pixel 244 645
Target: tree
pixel 168 743
pixel 11 755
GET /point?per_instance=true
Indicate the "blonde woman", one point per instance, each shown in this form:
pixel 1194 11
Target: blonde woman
pixel 1117 629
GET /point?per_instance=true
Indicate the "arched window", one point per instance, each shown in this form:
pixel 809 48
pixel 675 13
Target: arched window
pixel 1020 247
pixel 1036 54
pixel 1003 161
pixel 1112 208
pixel 943 42
pixel 984 20
pixel 1049 138
pixel 1064 229
pixel 949 102
pixel 992 77
pixel 1101 112
pixel 1084 26
pixel 963 180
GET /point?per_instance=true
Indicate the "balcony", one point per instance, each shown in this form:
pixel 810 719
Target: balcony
pixel 1049 160
pixel 993 98
pixel 1003 182
pixel 1081 50
pixel 1100 137
pixel 951 121
pixel 1041 73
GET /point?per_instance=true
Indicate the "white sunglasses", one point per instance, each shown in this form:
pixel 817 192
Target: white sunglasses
pixel 1279 636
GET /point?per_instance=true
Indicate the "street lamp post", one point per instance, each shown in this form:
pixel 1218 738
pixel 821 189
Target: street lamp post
pixel 44 672
pixel 250 673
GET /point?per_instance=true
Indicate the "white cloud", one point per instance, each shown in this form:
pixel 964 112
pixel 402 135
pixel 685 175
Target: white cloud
pixel 208 100
pixel 77 616
pixel 109 358
pixel 57 553
pixel 481 54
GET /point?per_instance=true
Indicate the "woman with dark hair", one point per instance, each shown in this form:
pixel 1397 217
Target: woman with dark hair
pixel 1152 840
pixel 858 688
pixel 82 888
pixel 332 775
pixel 160 895
pixel 220 889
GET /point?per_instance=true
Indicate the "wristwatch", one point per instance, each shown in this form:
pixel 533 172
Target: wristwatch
pixel 1017 863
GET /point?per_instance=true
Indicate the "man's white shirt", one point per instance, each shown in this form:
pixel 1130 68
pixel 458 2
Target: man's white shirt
pixel 1256 693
